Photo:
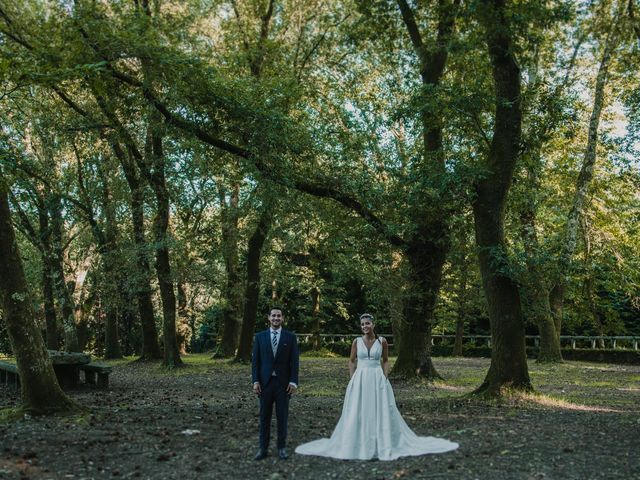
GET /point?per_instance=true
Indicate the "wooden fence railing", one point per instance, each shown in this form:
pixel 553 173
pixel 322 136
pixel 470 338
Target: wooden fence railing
pixel 620 342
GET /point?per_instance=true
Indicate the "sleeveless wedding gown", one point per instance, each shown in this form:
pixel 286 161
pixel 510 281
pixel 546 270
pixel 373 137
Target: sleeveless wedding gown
pixel 371 425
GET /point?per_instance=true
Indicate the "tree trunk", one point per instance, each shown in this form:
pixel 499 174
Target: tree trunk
pixel 163 265
pixel 425 260
pixel 257 240
pixel 51 322
pixel 48 296
pixel 315 318
pixel 109 255
pixel 508 369
pixel 150 345
pixel 105 236
pixel 82 321
pixel 231 315
pixel 396 287
pixel 65 300
pixel 589 288
pixel 586 174
pixel 537 291
pixel 556 303
pixel 155 158
pixel 462 307
pixel 252 288
pixel 110 302
pixel 128 160
pixel 550 351
pixel 426 252
pixel 183 319
pixel 40 391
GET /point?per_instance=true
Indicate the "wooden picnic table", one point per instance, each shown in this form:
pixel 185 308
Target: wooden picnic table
pixel 67 366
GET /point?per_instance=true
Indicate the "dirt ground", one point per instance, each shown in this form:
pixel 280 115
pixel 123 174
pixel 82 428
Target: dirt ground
pixel 202 422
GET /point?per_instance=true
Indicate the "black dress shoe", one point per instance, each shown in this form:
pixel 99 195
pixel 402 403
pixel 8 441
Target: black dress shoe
pixel 260 455
pixel 282 453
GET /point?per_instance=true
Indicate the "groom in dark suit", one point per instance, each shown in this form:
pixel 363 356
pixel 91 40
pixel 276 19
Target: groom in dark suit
pixel 275 378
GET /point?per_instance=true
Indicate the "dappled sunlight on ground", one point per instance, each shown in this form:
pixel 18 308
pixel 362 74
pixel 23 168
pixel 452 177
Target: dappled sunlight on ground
pixel 579 414
pixel 559 403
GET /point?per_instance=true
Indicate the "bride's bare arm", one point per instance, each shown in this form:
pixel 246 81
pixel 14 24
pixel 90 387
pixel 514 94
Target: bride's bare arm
pixel 385 356
pixel 353 358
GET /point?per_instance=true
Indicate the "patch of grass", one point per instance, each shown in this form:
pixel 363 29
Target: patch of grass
pixel 322 353
pixel 463 381
pixel 586 383
pixel 197 363
pixel 16 414
pixel 10 415
pixel 117 362
pixel 82 418
pixel 550 401
pixel 193 364
pixel 322 391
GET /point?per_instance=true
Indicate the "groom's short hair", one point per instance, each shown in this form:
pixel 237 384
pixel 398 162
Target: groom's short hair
pixel 276 307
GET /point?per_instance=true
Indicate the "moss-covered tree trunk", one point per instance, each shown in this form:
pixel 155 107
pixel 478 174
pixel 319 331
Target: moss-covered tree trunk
pixel 537 291
pixel 143 290
pixel 183 329
pixel 171 354
pixel 425 261
pixel 426 251
pixel 252 288
pixel 232 311
pixel 41 238
pixel 508 369
pixel 105 235
pixel 578 206
pixel 40 391
pixel 48 295
pixel 461 307
pixel 109 255
pixel 65 300
pixel 249 306
pixel 50 318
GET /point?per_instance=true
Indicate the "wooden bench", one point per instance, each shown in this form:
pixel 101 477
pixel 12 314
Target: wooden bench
pixel 9 374
pixel 99 370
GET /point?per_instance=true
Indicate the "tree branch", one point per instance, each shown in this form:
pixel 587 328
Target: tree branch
pixel 256 64
pixel 245 42
pixel 634 21
pixel 25 224
pixel 414 33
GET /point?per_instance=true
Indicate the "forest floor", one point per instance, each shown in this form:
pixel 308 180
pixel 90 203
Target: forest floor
pixel 202 422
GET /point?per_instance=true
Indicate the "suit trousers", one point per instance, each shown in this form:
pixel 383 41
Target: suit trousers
pixel 274 392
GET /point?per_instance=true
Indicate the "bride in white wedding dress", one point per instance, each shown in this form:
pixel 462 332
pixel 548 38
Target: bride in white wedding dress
pixel 371 425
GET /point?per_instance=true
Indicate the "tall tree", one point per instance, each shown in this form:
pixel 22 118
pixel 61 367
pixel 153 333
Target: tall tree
pixel 508 369
pixel 256 56
pixel 613 37
pixel 143 290
pixel 252 289
pixel 105 235
pixel 40 391
pixel 231 313
pixel 40 237
pixel 156 158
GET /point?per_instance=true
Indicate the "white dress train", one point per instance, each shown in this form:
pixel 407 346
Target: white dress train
pixel 371 425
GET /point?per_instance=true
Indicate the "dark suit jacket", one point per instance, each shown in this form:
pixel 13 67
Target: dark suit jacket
pixel 285 364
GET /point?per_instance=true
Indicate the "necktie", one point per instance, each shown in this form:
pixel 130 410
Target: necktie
pixel 274 342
